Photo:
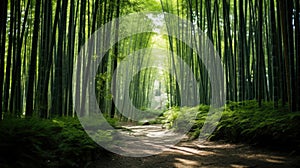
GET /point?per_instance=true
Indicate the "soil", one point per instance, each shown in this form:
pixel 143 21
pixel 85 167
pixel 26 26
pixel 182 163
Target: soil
pixel 191 154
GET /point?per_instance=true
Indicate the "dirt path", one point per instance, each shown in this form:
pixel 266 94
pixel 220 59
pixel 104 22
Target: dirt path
pixel 206 155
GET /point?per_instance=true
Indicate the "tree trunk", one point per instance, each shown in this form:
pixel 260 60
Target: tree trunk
pixel 3 18
pixel 32 67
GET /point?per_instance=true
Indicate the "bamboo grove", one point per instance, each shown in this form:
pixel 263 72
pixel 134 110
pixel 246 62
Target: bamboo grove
pixel 257 40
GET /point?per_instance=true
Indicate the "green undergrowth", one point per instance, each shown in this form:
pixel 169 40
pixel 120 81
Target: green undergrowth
pixel 243 122
pixel 145 117
pixel 60 142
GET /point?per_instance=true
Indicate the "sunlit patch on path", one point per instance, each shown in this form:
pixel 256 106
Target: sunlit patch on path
pixel 192 154
pixel 146 140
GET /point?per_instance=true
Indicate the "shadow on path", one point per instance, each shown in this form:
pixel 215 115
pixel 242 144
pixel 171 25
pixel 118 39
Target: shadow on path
pixel 192 154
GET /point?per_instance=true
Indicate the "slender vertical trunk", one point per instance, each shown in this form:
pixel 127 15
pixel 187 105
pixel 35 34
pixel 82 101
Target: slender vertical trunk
pixel 274 53
pixel 241 54
pixel 281 67
pixel 57 104
pixel 115 57
pixel 7 89
pixel 32 67
pixel 17 104
pixel 61 56
pixel 288 53
pixel 234 56
pixel 297 41
pixel 260 55
pixel 3 19
pixel 81 37
pixel 70 51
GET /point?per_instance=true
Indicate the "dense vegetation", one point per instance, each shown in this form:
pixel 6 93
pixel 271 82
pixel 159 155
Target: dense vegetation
pixel 246 122
pixel 40 41
pixel 257 41
pixel 60 142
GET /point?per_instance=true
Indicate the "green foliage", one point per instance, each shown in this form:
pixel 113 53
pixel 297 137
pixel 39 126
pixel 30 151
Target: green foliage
pixel 243 122
pixel 112 121
pixel 247 122
pixel 148 114
pixel 60 142
pixel 137 6
pixel 170 116
pixel 178 118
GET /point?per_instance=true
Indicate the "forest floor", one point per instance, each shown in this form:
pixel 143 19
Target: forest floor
pixel 190 154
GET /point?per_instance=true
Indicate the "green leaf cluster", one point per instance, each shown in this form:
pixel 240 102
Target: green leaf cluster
pixel 60 142
pixel 243 122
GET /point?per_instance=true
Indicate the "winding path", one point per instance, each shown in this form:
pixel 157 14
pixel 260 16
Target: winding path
pixel 191 154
